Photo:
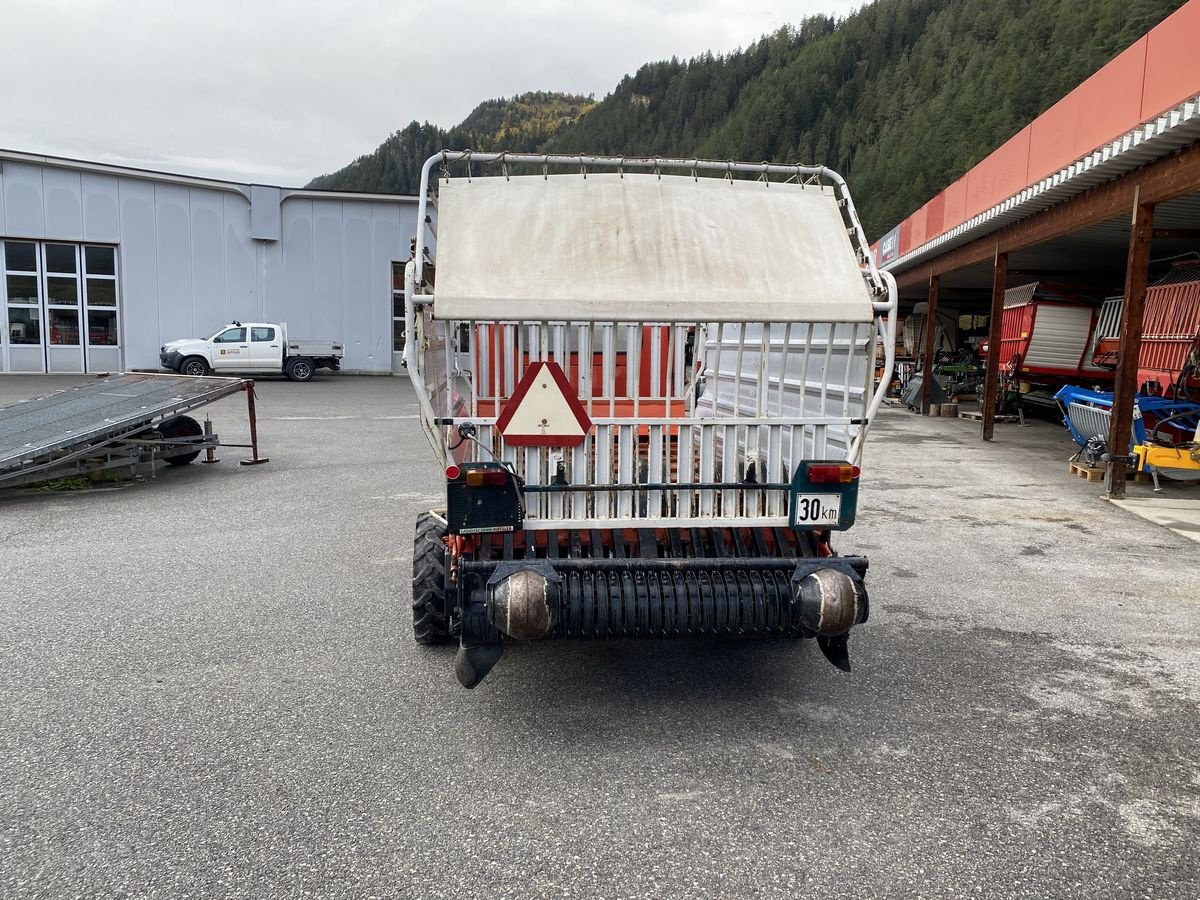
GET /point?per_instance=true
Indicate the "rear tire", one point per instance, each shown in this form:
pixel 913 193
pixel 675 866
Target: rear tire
pixel 300 369
pixel 431 620
pixel 195 366
pixel 179 427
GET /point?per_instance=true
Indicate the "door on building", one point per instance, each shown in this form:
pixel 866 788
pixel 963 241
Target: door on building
pixel 60 308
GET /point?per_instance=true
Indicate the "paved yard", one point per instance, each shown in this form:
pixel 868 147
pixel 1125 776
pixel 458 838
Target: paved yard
pixel 208 688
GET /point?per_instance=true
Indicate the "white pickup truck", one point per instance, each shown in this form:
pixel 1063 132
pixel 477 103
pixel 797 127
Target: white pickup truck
pixel 252 347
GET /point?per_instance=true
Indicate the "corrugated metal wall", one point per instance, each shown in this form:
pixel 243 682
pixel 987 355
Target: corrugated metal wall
pixel 187 263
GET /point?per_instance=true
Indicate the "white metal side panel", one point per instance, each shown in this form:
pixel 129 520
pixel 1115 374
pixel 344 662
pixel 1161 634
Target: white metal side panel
pixel 326 318
pixel 356 316
pixel 174 251
pixel 24 212
pixel 139 276
pixel 101 215
pixel 1059 336
pixel 241 272
pixel 299 279
pixel 690 249
pixel 391 227
pixel 3 219
pixel 63 199
pixel 210 310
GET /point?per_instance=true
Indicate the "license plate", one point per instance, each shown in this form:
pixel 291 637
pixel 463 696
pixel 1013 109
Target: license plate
pixel 816 509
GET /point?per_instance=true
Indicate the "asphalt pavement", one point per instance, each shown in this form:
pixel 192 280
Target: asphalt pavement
pixel 208 688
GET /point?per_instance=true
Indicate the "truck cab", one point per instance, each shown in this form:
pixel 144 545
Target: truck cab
pixel 251 347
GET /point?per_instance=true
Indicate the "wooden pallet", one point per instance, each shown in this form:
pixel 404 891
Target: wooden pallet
pixel 976 416
pixel 1096 473
pixel 1083 470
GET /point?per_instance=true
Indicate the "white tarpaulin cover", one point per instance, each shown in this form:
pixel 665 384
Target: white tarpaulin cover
pixel 644 248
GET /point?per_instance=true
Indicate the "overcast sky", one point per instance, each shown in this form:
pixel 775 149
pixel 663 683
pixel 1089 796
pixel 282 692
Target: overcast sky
pixel 278 91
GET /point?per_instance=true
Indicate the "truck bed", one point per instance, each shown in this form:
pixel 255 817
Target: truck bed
pixel 316 348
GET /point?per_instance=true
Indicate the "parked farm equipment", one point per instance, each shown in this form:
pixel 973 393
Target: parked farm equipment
pixel 648 382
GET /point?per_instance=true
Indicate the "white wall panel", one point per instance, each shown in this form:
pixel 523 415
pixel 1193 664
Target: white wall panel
pixel 356 248
pixel 329 299
pixel 210 307
pixel 295 305
pixel 389 244
pixel 24 211
pixel 101 216
pixel 241 269
pixel 2 205
pixel 138 270
pixel 173 216
pixel 62 197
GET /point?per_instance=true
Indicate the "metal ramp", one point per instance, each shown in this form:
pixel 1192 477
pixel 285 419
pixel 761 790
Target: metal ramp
pixel 108 423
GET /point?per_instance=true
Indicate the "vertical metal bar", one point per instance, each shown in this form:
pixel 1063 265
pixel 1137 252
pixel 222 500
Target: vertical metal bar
pixel 1140 233
pixel 509 361
pixel 686 464
pixel 992 369
pixel 714 387
pixel 255 459
pixel 579 467
pixel 930 338
pixel 736 406
pixel 654 473
pixel 764 371
pixel 626 453
pixel 633 364
pixel 707 436
pixel 802 408
pixel 729 473
pixel 604 445
pixel 783 367
pixel 851 349
pixel 831 330
pixel 774 471
pixel 608 363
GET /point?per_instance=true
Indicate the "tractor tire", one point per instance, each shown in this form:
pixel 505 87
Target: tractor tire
pixel 431 619
pixel 194 365
pixel 178 427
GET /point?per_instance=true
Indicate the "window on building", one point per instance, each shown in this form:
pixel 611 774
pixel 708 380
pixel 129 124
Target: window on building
pixel 100 295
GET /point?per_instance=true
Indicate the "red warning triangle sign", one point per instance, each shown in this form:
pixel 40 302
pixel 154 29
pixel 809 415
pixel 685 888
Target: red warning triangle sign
pixel 544 410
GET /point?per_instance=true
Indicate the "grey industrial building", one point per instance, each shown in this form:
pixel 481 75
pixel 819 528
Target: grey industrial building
pixel 102 264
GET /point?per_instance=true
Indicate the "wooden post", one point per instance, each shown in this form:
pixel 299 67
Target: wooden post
pixel 992 372
pixel 1136 270
pixel 930 341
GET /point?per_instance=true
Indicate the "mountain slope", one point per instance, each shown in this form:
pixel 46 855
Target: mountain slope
pixel 901 97
pixel 524 122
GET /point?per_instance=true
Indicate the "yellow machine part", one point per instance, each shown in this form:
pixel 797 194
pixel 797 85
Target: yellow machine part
pixel 1166 457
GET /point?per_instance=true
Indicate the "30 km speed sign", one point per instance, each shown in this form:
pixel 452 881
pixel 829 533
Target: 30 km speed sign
pixel 817 509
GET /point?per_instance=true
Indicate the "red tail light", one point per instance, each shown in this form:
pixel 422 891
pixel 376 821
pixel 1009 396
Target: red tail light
pixel 453 471
pixel 487 478
pixel 832 473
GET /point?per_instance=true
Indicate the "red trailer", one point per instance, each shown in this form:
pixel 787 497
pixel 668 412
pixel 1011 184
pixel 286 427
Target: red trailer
pixel 1047 335
pixel 1169 361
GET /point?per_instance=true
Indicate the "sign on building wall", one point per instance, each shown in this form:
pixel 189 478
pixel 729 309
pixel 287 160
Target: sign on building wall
pixel 889 246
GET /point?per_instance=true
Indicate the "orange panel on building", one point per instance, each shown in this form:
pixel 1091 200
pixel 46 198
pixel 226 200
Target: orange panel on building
pixel 1000 175
pixel 1102 108
pixel 934 213
pixel 906 243
pixel 1173 63
pixel 918 234
pixel 956 204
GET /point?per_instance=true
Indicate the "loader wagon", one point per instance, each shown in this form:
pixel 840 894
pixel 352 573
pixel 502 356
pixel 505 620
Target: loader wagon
pixel 648 382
